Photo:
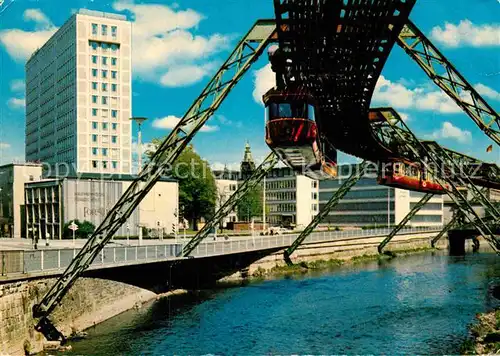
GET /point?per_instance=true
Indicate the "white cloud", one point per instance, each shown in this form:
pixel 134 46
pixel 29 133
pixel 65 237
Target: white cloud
pixel 399 96
pixel 404 116
pixel 165 49
pixel 171 121
pixel 4 145
pixel 20 44
pixel 16 103
pixel 487 91
pixel 264 79
pixel 183 75
pixel 17 85
pixel 452 132
pixel 467 34
pixel 36 15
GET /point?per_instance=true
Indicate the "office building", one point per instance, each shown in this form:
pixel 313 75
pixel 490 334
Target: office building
pixel 12 179
pixel 371 204
pixel 291 199
pixel 78 96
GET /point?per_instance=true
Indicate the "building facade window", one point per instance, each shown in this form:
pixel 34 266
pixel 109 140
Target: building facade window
pixel 104 164
pixel 94 138
pixel 94 85
pixel 94 29
pixel 113 139
pixel 114 74
pixel 104 86
pixel 94 59
pixel 104 100
pixel 104 61
pixel 104 30
pixel 94 151
pixel 114 114
pixel 104 125
pixel 94 164
pixel 104 151
pixel 94 125
pixel 104 73
pixel 94 99
pixel 94 112
pixel 113 61
pixel 113 87
pixel 113 31
pixel 114 164
pixel 94 72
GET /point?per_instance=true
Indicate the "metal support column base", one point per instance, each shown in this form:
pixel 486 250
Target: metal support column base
pixel 405 220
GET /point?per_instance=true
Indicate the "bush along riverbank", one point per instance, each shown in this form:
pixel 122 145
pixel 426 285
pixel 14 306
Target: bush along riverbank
pixel 486 335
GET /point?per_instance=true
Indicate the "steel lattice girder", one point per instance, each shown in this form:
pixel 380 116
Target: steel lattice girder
pixel 388 122
pixel 250 183
pixel 443 164
pixel 339 194
pixel 405 220
pixel 446 77
pixel 243 56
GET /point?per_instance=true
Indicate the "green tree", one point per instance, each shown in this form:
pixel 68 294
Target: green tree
pixel 197 190
pixel 250 205
pixel 85 228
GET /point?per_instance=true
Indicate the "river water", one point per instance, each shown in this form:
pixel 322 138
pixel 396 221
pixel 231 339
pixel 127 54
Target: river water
pixel 416 304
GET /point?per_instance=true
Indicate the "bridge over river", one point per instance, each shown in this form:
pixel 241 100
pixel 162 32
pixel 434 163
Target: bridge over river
pixel 157 265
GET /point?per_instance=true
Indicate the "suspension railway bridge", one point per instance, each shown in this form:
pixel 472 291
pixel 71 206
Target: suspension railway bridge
pixel 336 49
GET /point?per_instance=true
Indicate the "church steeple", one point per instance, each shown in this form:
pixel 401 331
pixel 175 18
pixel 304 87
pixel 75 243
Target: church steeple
pixel 247 165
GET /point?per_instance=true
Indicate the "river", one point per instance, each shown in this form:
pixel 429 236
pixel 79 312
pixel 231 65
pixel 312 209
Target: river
pixel 415 304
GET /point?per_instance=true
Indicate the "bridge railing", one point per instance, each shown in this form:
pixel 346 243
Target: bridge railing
pixel 53 261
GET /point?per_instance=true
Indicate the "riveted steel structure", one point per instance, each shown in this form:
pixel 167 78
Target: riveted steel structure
pixel 449 79
pixel 335 49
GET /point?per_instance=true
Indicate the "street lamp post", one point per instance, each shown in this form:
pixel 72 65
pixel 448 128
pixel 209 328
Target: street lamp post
pixel 139 121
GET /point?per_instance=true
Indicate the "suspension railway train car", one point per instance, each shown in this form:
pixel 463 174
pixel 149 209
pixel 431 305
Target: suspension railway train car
pixel 409 176
pixel 292 133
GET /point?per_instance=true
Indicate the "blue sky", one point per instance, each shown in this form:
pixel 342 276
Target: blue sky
pixel 179 45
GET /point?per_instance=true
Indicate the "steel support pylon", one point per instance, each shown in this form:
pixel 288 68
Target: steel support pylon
pixel 339 194
pixel 256 177
pixel 242 57
pixel 447 172
pixel 405 220
pixel 447 77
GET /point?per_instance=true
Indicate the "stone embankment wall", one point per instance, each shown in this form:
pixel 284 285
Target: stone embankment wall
pixel 89 301
pixel 344 249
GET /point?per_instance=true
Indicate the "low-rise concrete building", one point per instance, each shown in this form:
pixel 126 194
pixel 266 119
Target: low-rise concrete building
pixel 12 179
pixel 53 202
pixel 291 199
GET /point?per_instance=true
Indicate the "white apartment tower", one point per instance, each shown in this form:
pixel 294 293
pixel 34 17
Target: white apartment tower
pixel 78 96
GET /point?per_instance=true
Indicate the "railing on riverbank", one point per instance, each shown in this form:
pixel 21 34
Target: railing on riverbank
pixel 15 264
